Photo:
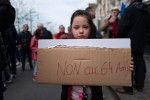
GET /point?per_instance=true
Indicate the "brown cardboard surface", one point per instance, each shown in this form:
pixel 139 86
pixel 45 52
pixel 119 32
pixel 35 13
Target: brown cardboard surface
pixel 84 66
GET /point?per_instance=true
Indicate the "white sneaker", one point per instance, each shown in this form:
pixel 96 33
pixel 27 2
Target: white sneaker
pixel 13 76
pixel 9 81
pixel 4 84
pixel 17 63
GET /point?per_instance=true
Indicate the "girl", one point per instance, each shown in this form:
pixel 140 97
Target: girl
pixel 82 27
pixel 33 47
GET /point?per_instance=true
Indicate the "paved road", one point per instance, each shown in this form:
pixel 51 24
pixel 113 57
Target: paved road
pixel 24 88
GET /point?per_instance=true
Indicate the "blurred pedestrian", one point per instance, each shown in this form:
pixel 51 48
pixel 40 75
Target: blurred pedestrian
pixel 12 37
pixel 70 33
pixel 7 18
pixel 109 25
pixel 134 25
pixel 92 12
pixel 46 34
pixel 34 45
pixel 62 31
pixel 25 37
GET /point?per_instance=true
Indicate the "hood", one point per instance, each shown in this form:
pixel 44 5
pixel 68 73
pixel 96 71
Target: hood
pixel 141 6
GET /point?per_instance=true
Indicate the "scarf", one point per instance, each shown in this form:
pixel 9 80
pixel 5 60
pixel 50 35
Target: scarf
pixel 114 30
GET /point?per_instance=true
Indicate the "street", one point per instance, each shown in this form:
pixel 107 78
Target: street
pixel 24 88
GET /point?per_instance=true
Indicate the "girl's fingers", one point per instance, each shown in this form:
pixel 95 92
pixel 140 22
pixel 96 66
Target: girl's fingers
pixel 131 62
pixel 130 67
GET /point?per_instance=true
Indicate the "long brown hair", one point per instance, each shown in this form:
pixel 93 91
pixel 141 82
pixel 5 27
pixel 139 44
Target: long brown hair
pixel 38 32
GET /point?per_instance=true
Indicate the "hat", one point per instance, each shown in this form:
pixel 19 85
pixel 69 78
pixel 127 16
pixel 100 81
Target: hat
pixel 115 9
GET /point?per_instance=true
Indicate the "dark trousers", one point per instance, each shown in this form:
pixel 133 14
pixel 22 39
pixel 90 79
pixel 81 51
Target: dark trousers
pixel 1 86
pixel 26 52
pixel 140 71
pixel 18 57
pixel 6 74
pixel 12 58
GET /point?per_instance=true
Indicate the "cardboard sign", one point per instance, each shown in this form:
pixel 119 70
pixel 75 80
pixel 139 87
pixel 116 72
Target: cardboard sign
pixel 84 65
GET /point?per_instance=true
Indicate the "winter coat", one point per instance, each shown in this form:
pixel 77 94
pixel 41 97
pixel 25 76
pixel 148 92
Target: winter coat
pixel 96 92
pixel 7 15
pixel 25 39
pixel 33 47
pixel 3 58
pixel 134 24
pixel 7 18
pixel 47 34
pixel 12 37
pixel 106 27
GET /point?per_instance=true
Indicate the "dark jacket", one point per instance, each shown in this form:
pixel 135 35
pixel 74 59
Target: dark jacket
pixel 47 34
pixel 134 25
pixel 3 58
pixel 96 92
pixel 25 39
pixel 12 37
pixel 7 14
pixel 7 18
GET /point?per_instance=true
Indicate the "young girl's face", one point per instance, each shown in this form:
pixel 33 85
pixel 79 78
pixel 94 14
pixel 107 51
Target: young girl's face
pixel 80 28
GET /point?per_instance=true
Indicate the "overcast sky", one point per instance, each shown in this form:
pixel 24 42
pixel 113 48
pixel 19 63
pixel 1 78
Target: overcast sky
pixel 58 12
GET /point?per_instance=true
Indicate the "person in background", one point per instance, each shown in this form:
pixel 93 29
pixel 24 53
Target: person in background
pixel 46 34
pixel 62 31
pixel 92 12
pixel 70 33
pixel 33 46
pixel 7 18
pixel 10 71
pixel 83 27
pixel 134 25
pixel 109 25
pixel 25 37
pixel 12 37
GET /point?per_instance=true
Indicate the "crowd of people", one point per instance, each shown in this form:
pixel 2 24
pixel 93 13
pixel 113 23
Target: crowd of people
pixel 15 47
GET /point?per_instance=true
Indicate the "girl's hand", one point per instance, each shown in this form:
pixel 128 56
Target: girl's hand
pixel 131 66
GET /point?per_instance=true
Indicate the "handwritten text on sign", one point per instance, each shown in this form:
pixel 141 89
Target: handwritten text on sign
pixel 75 69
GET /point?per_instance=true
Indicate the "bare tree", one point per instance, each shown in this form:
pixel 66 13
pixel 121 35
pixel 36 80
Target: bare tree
pixel 23 15
pixel 20 13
